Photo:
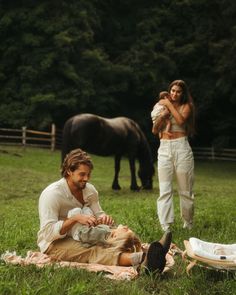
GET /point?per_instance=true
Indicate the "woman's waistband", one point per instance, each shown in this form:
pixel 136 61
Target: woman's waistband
pixel 179 139
pixel 172 135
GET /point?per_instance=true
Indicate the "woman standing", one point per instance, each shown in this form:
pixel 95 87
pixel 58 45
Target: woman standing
pixel 175 156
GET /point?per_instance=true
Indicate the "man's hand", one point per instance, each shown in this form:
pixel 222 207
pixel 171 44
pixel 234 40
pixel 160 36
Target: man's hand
pixel 89 220
pixel 105 219
pixel 68 223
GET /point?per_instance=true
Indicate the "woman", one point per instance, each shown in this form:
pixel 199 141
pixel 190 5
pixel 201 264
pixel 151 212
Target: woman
pixel 175 155
pixel 122 247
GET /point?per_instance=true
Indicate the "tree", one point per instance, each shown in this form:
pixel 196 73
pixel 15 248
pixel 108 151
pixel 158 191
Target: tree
pixel 113 57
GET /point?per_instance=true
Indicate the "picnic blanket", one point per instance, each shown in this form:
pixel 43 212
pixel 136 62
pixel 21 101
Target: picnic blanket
pixel 110 271
pixel 211 255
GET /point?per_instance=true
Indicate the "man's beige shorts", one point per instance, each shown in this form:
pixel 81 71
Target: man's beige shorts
pixel 68 249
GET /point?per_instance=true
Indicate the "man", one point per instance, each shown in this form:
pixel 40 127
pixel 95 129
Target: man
pixel 74 191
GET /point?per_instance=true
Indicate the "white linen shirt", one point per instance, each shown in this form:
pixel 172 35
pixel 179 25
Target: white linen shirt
pixel 54 203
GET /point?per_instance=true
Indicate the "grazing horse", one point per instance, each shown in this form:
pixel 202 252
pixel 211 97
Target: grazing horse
pixel 118 136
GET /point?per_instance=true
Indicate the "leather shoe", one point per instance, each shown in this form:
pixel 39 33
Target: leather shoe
pixel 165 241
pixel 156 255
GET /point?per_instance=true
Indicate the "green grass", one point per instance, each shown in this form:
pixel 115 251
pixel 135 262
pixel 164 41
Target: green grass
pixel 25 173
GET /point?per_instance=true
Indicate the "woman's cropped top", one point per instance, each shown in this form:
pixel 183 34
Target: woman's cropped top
pixel 175 127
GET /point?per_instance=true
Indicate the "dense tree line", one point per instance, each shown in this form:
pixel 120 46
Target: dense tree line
pixel 112 57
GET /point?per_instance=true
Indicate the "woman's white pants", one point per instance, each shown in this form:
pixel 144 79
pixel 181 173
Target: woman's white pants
pixel 175 156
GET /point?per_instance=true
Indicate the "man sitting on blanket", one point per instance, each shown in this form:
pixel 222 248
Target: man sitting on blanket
pixel 122 247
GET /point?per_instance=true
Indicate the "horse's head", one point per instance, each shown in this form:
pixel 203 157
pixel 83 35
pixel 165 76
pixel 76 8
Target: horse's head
pixel 145 173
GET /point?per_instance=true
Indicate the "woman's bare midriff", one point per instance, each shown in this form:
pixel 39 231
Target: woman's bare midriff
pixel 172 135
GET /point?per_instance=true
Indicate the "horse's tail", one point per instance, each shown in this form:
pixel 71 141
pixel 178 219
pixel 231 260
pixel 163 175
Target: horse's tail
pixel 143 146
pixel 66 139
pixel 144 149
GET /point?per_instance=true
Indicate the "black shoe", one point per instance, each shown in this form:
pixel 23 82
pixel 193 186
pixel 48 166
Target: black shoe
pixel 165 241
pixel 156 258
pixel 156 255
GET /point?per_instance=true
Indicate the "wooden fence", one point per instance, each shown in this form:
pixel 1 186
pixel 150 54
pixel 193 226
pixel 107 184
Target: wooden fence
pixel 53 139
pixel 212 153
pixel 27 137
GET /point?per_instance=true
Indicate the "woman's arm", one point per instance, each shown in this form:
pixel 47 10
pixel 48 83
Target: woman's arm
pixel 179 117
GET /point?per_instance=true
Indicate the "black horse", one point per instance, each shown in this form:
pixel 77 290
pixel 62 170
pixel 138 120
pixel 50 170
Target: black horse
pixel 118 136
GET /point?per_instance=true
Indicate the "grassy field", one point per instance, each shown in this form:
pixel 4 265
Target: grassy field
pixel 25 173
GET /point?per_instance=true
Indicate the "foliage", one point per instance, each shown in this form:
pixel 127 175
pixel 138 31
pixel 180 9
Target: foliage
pixel 25 173
pixel 113 57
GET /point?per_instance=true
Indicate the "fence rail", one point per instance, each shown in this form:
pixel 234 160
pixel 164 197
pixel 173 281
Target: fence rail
pixel 53 139
pixel 211 153
pixel 29 137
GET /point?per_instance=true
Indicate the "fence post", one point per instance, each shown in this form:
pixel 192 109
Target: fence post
pixel 212 153
pixel 24 136
pixel 53 137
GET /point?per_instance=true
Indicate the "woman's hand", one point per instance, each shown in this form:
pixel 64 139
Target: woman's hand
pixel 175 112
pixel 165 102
pixel 165 114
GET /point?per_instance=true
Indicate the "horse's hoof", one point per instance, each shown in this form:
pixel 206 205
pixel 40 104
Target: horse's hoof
pixel 116 188
pixel 147 187
pixel 135 189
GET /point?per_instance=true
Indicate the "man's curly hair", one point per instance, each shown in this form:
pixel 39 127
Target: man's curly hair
pixel 73 160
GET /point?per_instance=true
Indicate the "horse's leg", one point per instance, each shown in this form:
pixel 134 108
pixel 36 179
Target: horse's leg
pixel 134 186
pixel 115 184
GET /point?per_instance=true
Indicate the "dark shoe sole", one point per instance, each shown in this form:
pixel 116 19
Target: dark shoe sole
pixel 156 258
pixel 166 241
